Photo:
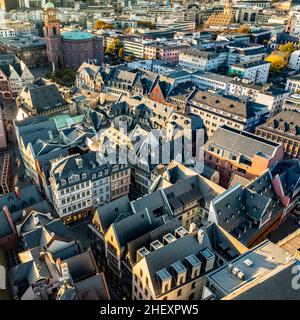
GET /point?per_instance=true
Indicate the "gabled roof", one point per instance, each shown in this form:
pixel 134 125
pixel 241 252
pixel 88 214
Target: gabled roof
pixel 109 212
pixel 135 225
pixel 82 266
pixel 169 254
pixel 42 96
pixel 241 210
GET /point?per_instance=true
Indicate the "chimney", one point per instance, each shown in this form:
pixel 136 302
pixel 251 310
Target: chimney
pixel 200 236
pixel 17 193
pixel 35 219
pixel 58 264
pixel 192 227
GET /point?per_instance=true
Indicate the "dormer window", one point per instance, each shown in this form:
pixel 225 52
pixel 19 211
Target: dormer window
pixel 63 182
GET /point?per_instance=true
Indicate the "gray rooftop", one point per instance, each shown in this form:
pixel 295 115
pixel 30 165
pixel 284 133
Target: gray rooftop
pixel 241 143
pixel 23 42
pixel 255 265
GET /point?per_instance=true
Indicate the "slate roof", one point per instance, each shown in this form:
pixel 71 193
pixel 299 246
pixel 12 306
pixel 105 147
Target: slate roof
pixel 239 210
pixel 71 165
pixel 289 173
pixel 82 266
pixel 43 235
pixel 33 269
pixel 17 66
pixel 29 196
pixel 5 228
pixel 95 284
pixel 109 212
pixel 135 225
pixel 43 96
pixel 147 238
pixel 169 254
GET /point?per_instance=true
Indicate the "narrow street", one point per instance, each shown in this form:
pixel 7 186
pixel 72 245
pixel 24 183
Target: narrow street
pixel 17 169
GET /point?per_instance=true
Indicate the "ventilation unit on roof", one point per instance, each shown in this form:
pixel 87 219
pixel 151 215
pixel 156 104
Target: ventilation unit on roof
pixel 235 270
pixel 248 262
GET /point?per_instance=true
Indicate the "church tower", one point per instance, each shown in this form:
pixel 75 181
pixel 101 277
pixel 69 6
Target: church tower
pixel 228 7
pixel 52 35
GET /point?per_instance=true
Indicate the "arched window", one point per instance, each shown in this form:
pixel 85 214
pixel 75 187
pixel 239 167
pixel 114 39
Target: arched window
pixel 54 31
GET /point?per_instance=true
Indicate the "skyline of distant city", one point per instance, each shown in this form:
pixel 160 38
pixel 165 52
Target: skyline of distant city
pixel 149 151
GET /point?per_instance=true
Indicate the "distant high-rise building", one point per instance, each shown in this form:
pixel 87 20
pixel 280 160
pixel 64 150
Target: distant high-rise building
pixel 9 4
pixel 32 3
pixel 295 3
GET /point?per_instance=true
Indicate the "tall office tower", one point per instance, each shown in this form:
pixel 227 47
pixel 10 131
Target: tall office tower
pixel 9 4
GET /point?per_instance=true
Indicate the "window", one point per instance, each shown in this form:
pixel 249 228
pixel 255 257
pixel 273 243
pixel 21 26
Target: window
pixel 166 287
pixel 141 273
pixel 192 296
pixel 193 285
pixel 179 292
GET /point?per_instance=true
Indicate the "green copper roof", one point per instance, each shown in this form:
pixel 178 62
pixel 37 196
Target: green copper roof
pixel 76 35
pixel 64 120
pixel 49 5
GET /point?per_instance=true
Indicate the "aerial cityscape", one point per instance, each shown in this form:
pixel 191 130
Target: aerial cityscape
pixel 149 150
